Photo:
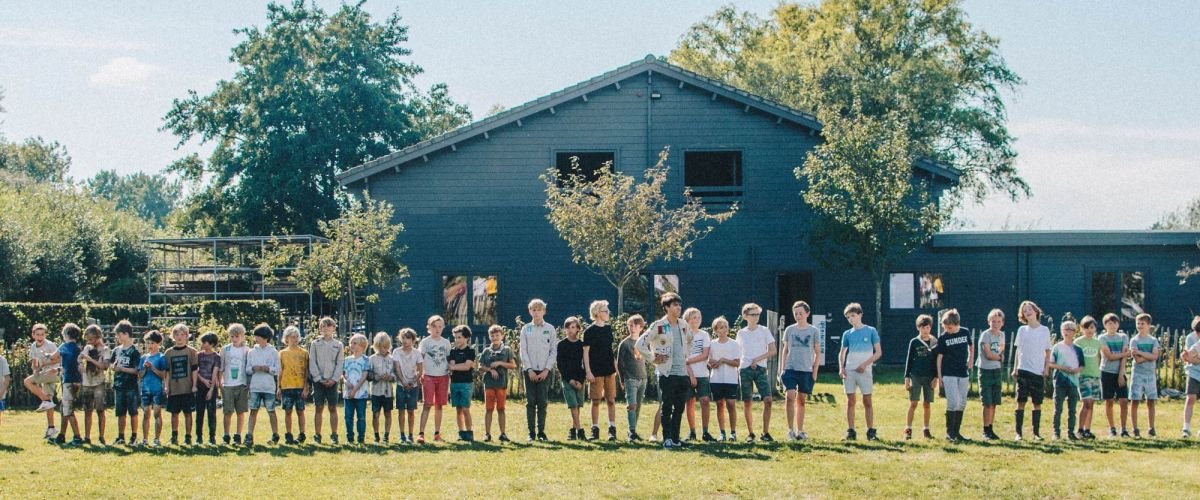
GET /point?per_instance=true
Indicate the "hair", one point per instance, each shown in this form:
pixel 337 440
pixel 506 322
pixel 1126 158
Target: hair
pixel 537 304
pixel 1069 326
pixel 1196 324
pixel 434 319
pixel 265 331
pixel 802 304
pixel 853 307
pixel 951 317
pixel 689 312
pixel 571 320
pixel 463 331
pixel 495 329
pixel 327 321
pixel 1144 317
pixel 408 333
pixel 669 298
pixel 70 331
pixel 38 326
pixel 291 331
pixel 720 321
pixel 1087 322
pixel 750 306
pixel 1112 317
pixel 359 339
pixel 1021 312
pixel 596 307
pixel 236 329
pixel 924 320
pixel 123 326
pixel 209 338
pixel 995 313
pixel 92 332
pixel 636 319
pixel 382 339
pixel 153 337
pixel 180 327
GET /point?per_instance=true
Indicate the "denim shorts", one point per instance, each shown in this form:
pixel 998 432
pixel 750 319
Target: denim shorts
pixel 264 400
pixel 293 399
pixel 125 401
pixel 408 398
pixel 795 380
pixel 156 398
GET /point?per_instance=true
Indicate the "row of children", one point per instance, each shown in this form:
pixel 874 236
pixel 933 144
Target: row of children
pixel 689 364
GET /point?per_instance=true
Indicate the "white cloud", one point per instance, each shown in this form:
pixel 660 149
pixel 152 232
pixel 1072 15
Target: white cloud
pixel 123 72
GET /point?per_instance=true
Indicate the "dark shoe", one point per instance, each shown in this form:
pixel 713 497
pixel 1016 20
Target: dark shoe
pixel 187 440
pixel 77 441
pixel 1071 435
pixel 633 436
pixel 928 435
pixel 707 438
pixel 851 435
pixel 120 441
pixel 1124 433
pixel 612 433
pixel 541 435
pixel 907 433
pixel 872 435
pixel 571 435
pixel 1151 433
pixel 766 438
pixel 532 437
pixel 289 439
pixel 750 438
pixel 274 439
pixel 237 439
pixel 691 435
pixel 595 433
pixel 249 440
pixel 316 438
pixel 301 438
pixel 333 439
pixel 504 438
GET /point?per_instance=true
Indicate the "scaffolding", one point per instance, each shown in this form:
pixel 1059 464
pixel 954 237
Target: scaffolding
pixel 225 268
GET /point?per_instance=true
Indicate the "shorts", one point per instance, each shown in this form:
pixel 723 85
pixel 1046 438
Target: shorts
pixel 94 397
pixel 47 381
pixel 493 399
pixel 724 392
pixel 235 398
pixel 1143 387
pixel 185 403
pixel 1089 388
pixel 755 376
pixel 921 387
pixel 1030 386
pixel 1109 388
pixel 990 386
pixel 436 390
pixel 1193 387
pixel 795 380
pixel 156 399
pixel 265 400
pixel 125 401
pixel 862 382
pixel 703 389
pixel 603 387
pixel 70 398
pixel 324 395
pixel 293 399
pixel 460 394
pixel 573 396
pixel 381 403
pixel 407 397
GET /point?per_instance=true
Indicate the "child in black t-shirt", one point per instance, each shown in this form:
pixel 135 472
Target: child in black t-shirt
pixel 462 380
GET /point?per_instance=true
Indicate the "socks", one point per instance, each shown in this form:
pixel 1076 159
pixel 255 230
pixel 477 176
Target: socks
pixel 1037 422
pixel 1020 416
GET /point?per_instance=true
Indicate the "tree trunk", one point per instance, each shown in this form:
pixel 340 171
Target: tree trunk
pixel 620 299
pixel 879 302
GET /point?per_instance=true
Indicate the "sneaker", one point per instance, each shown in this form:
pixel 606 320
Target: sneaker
pixel 1071 435
pixel 1037 436
pixel 766 438
pixel 1112 432
pixel 691 435
pixel 851 435
pixel 532 437
pixel 212 440
pixel 437 437
pixel 750 438
pixel 1151 433
pixel 157 443
pixel 541 436
pixel 1187 434
pixel 51 432
pixel 927 434
pixel 142 444
pixel 612 433
pixel 317 438
pixel 288 439
pixel 1018 436
pixel 421 438
pixel 487 438
pixel 361 439
pixel 668 444
pixel 376 438
pixel 333 439
pixel 60 439
pixel 79 442
pixel 45 406
pixel 633 436
pixel 571 435
pixel 387 438
pixel 707 438
pixel 791 436
pixel 187 440
pixel 249 441
pixel 1057 436
pixel 504 438
pixel 225 439
pixel 907 433
pixel 653 438
pixel 274 439
pixel 1137 433
pixel 237 439
pixel 801 436
pixel 595 433
pixel 301 438
pixel 120 441
pixel 732 437
pixel 175 440
pixel 872 435
pixel 1124 433
pixel 102 443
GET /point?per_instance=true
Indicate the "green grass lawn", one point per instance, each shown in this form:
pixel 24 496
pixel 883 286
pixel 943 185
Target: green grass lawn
pixel 822 467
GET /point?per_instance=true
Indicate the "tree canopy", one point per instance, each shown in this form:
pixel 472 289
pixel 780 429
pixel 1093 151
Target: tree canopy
pixel 149 196
pixel 923 56
pixel 314 94
pixel 36 159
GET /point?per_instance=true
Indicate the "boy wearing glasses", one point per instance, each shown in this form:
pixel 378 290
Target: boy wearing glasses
pixel 860 351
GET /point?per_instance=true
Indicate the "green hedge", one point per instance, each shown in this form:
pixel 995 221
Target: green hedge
pixel 17 318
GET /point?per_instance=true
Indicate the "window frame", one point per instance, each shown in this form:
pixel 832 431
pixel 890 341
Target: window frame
pixel 615 151
pixel 1119 292
pixel 725 194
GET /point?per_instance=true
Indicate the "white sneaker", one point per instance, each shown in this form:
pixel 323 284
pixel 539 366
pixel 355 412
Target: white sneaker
pixel 157 443
pixel 653 438
pixel 791 436
pixel 801 436
pixel 51 433
pixel 46 405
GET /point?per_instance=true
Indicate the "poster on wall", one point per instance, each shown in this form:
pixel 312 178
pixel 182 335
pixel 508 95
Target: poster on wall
pixel 818 320
pixel 900 291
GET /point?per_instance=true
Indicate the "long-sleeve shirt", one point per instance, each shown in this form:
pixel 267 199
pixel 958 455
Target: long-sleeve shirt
pixel 920 361
pixel 326 360
pixel 539 347
pixel 266 356
pixel 570 360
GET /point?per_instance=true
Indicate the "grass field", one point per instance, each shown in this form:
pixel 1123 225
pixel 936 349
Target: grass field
pixel 822 467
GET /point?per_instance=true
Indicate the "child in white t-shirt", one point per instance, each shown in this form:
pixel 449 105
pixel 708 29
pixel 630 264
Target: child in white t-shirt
pixel 723 358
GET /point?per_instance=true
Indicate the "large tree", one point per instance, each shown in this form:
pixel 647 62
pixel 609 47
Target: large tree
pixel 618 225
pixel 150 196
pixel 922 55
pixel 314 94
pixel 35 159
pixel 1186 217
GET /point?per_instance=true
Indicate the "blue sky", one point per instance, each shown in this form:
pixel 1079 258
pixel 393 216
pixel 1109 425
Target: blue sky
pixel 1106 125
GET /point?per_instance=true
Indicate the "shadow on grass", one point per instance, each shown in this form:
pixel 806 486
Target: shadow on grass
pixel 8 448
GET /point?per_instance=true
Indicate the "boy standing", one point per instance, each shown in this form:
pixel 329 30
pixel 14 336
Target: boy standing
pixel 326 361
pixel 1089 376
pixel 46 372
pixel 669 340
pixel 183 363
pixel 860 350
pixel 435 383
pixel 920 373
pixel 698 376
pixel 570 367
pixel 724 356
pixel 264 381
pixel 1066 361
pixel 207 378
pixel 154 391
pixel 354 383
pixel 1031 366
pixel 235 372
pixel 539 350
pixel 954 358
pixel 496 361
pixel 93 366
pixel 631 369
pixel 798 372
pixel 125 361
pixel 383 388
pixel 409 367
pixel 72 379
pixel 601 367
pixel 990 363
pixel 461 361
pixel 293 383
pixel 758 347
pixel 1114 350
pixel 1145 349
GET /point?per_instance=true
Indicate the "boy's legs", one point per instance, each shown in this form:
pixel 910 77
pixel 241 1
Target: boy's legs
pixel 747 393
pixel 851 401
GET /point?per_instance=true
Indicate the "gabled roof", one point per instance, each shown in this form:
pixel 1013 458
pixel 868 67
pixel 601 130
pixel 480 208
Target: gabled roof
pixel 581 90
pixel 1067 238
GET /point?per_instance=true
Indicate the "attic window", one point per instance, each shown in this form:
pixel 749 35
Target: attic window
pixel 714 176
pixel 589 162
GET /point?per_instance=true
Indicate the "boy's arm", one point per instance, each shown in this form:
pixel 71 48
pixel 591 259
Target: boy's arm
pixel 523 349
pixel 816 357
pixel 771 351
pixel 842 360
pixel 1046 364
pixel 939 366
pixel 587 362
pixel 908 359
pixel 877 356
pixel 783 354
pixel 970 356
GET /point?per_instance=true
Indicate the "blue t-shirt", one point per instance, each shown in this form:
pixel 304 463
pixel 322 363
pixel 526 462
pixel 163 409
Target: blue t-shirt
pixel 151 383
pixel 69 352
pixel 859 345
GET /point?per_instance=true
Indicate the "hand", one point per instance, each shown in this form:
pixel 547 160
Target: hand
pixel 660 359
pixel 1121 380
pixel 908 384
pixel 861 369
pixel 592 378
pixel 814 376
pixel 278 395
pixel 495 376
pixel 692 379
pixel 1014 373
pixel 194 389
pixel 936 383
pixel 211 392
pixel 304 393
pixel 842 372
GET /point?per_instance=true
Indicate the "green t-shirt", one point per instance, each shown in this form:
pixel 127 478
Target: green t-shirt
pixel 1091 356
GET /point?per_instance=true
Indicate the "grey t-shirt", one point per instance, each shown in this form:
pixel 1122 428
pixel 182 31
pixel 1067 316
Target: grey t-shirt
pixel 1144 344
pixel 800 343
pixel 992 341
pixel 631 367
pixel 4 372
pixel 1116 343
pixel 678 362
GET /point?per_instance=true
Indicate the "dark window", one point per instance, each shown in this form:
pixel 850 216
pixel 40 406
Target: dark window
pixel 589 162
pixel 1121 292
pixel 712 169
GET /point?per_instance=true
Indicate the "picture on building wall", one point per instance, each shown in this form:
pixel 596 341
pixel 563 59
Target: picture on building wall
pixel 664 283
pixel 901 291
pixel 454 299
pixel 484 292
pixel 932 291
